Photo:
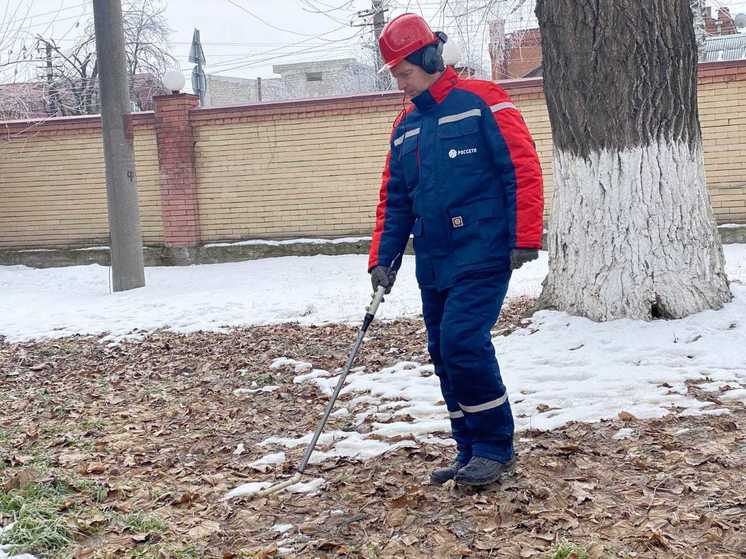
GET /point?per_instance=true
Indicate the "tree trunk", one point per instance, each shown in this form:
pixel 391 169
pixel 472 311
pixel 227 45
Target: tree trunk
pixel 632 233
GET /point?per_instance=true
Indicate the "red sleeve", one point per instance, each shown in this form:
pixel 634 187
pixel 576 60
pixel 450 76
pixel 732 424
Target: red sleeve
pixel 514 155
pixel 529 183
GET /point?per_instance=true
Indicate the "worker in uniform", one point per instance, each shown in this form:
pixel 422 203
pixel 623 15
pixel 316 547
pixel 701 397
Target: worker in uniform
pixel 462 177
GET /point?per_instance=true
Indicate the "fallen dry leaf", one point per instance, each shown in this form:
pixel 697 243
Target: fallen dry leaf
pixel 627 417
pixel 204 530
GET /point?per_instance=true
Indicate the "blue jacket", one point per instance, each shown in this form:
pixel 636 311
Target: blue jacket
pixel 463 177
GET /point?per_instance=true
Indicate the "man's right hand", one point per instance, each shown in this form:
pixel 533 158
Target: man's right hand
pixel 519 256
pixel 382 276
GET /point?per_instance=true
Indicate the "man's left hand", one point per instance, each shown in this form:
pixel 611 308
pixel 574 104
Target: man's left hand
pixel 519 256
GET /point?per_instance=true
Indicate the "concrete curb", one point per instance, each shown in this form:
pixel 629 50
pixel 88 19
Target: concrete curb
pixel 217 253
pixel 180 256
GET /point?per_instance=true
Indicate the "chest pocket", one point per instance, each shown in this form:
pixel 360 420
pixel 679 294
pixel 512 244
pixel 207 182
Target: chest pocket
pixel 410 161
pixel 460 142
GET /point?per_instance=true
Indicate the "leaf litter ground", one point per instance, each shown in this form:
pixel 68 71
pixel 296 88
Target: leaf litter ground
pixel 148 436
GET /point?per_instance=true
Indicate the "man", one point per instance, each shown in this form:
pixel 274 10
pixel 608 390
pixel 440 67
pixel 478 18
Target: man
pixel 463 177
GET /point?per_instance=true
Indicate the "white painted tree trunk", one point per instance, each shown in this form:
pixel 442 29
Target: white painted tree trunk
pixel 632 235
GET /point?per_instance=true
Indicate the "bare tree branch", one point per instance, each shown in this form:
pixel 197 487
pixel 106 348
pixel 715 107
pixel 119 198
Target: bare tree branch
pixel 74 82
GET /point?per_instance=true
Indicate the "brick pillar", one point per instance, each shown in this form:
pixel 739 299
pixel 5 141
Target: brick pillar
pixel 179 206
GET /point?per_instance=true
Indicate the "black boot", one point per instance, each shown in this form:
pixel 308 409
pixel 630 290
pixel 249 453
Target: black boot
pixel 441 475
pixel 482 471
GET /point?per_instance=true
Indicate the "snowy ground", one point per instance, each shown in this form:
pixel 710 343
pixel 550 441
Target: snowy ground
pixel 578 369
pixel 4 549
pixel 55 302
pixel 558 368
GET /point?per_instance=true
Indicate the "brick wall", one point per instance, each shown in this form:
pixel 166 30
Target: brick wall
pixel 53 184
pixel 292 168
pixel 178 183
pixel 287 169
pixel 721 99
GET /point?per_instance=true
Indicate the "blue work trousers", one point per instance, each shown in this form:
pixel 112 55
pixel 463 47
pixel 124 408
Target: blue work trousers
pixel 458 322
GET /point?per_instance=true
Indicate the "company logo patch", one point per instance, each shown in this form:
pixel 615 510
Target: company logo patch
pixel 454 153
pixel 457 221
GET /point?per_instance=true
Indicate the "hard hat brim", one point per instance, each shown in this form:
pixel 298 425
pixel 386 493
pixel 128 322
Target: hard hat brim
pixel 390 65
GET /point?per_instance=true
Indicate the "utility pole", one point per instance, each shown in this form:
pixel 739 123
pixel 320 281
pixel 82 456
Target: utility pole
pixel 379 20
pixel 378 15
pixel 52 101
pixel 121 184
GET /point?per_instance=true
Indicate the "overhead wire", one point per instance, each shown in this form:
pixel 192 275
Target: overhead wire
pixel 283 47
pixel 32 16
pixel 265 22
pixel 308 50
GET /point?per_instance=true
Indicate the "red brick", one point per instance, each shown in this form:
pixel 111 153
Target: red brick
pixel 176 162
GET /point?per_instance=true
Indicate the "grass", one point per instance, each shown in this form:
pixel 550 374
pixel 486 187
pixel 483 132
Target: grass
pixel 97 491
pixel 159 551
pixel 38 513
pixel 93 424
pixel 567 550
pixel 141 523
pixel 34 512
pixel 264 379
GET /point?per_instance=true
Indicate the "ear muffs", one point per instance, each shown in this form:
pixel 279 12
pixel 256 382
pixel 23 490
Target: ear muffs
pixel 432 55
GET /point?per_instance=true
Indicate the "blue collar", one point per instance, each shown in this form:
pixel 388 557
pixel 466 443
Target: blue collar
pixel 437 92
pixel 425 101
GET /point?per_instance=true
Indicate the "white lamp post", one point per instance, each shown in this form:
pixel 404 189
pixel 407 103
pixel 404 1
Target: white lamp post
pixel 173 80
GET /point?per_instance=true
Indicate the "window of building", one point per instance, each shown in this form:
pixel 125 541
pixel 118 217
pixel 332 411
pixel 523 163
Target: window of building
pixel 314 77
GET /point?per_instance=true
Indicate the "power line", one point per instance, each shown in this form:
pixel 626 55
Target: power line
pixel 57 20
pixel 30 17
pixel 312 8
pixel 328 8
pixel 217 43
pixel 308 50
pixel 265 22
pixel 297 43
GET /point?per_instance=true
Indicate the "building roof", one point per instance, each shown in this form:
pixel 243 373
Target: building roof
pixel 312 65
pixel 725 47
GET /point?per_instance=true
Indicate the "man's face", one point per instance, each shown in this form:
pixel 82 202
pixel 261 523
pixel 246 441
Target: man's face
pixel 411 79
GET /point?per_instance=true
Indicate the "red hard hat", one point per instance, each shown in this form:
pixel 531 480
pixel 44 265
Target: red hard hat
pixel 402 36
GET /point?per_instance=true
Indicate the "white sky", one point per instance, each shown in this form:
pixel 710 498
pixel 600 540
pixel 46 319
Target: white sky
pixel 239 44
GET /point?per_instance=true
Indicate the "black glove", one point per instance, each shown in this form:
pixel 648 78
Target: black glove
pixel 519 256
pixel 382 276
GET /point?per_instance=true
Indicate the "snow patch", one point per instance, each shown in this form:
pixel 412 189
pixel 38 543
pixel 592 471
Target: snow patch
pixel 267 242
pixel 5 549
pixel 310 487
pixel 270 460
pixel 269 388
pixel 624 433
pixel 300 379
pixel 247 489
pixel 287 363
pixel 712 386
pixel 738 394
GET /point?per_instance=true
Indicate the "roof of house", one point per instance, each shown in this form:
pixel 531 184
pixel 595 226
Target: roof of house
pixel 313 65
pixel 724 47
